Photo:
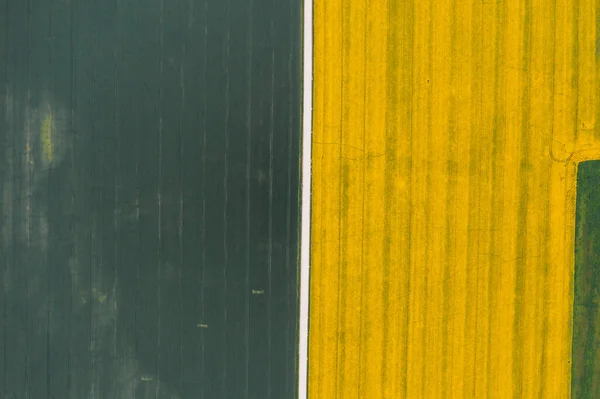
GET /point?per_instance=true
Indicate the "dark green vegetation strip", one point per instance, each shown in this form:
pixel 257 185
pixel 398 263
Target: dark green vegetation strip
pixel 586 316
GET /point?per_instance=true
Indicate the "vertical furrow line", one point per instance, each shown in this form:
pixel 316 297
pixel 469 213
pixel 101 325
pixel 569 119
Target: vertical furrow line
pixel 476 187
pixel 47 257
pixel 428 203
pixel 6 208
pixel 288 217
pixel 522 239
pixel 489 26
pixel 498 139
pixel 391 142
pixel 469 206
pixel 364 214
pixel 118 380
pixel 479 162
pixel 27 193
pixel 159 201
pixel 183 58
pixel 545 260
pixel 204 174
pixel 93 235
pixel 320 355
pixel 450 222
pixel 438 154
pixel 339 350
pixel 249 45
pixel 225 190
pixel 461 221
pixel 137 216
pixel 270 233
pixel 409 81
pixel 71 206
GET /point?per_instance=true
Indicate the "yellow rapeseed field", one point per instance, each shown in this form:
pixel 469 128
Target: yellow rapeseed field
pixel 446 140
